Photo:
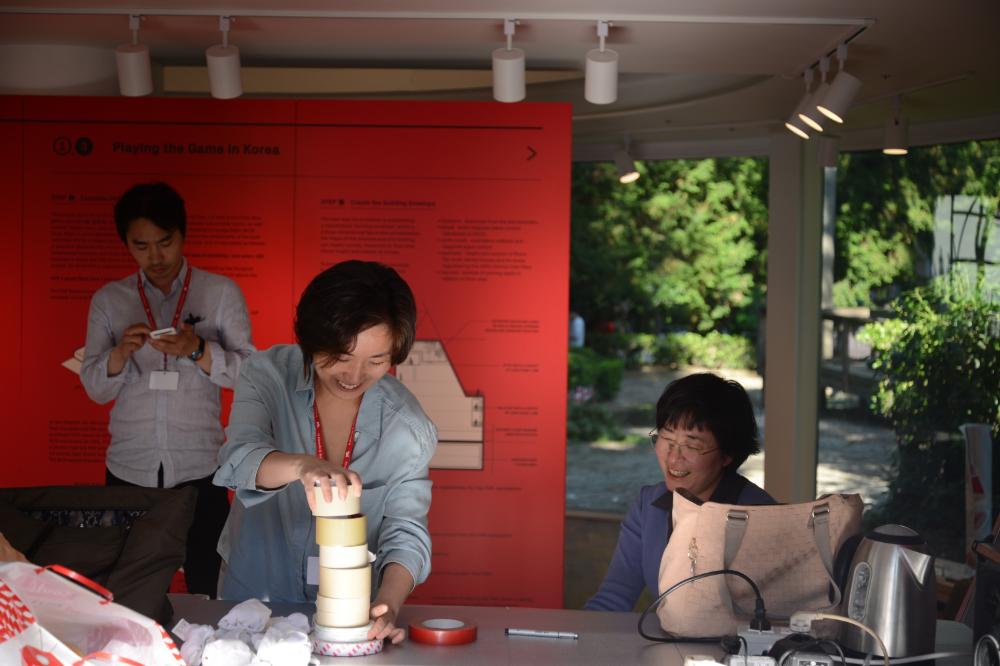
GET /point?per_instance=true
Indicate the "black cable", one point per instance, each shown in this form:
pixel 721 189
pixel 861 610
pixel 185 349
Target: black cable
pixel 836 646
pixel 734 644
pixel 795 650
pixel 760 615
pixel 815 644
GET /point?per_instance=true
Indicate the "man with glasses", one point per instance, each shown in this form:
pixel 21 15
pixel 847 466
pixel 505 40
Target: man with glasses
pixel 705 429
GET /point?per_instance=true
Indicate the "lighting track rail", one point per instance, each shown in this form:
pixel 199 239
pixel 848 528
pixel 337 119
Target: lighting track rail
pixel 590 17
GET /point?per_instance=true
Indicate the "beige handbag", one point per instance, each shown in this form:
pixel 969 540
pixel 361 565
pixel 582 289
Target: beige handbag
pixel 788 550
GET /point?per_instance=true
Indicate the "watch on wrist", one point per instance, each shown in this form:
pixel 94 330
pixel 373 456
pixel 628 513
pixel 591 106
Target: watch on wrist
pixel 200 351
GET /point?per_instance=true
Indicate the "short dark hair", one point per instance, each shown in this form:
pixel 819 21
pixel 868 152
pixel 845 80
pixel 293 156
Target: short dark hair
pixel 705 401
pixel 351 297
pixel 157 202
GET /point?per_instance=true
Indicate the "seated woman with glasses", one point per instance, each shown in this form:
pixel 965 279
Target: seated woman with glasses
pixel 705 429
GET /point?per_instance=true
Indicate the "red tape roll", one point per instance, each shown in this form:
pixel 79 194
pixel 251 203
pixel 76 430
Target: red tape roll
pixel 442 631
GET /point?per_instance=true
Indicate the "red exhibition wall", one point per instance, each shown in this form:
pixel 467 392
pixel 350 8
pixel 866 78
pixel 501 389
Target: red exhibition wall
pixel 469 201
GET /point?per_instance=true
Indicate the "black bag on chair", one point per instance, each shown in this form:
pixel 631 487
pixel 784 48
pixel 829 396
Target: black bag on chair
pixel 130 540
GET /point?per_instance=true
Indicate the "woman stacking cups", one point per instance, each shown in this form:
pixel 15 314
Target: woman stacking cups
pixel 325 413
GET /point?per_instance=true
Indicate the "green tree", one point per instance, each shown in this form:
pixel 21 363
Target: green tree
pixel 938 366
pixel 938 361
pixel 885 218
pixel 680 248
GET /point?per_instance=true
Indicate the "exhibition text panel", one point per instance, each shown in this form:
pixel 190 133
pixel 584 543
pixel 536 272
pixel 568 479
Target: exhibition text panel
pixel 468 201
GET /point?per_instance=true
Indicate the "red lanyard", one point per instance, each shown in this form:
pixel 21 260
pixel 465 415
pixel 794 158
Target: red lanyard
pixel 149 312
pixel 321 450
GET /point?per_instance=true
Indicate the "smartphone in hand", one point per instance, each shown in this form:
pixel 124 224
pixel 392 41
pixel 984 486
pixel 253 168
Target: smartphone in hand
pixel 160 332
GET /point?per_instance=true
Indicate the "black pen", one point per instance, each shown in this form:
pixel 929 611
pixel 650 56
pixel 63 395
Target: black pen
pixel 541 633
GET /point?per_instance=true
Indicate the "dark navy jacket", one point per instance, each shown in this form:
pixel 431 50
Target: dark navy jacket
pixel 643 538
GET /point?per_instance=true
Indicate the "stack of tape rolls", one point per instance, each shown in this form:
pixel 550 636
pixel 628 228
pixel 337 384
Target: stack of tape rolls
pixel 345 578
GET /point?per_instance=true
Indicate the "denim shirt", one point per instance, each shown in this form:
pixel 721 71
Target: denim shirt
pixel 271 534
pixel 644 535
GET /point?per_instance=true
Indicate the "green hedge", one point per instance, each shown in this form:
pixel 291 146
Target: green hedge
pixel 589 422
pixel 708 350
pixel 588 368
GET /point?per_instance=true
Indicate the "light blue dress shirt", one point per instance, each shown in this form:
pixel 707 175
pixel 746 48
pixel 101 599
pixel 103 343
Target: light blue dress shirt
pixel 271 534
pixel 178 429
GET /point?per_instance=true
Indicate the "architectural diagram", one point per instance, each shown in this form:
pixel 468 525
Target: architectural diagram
pixel 428 373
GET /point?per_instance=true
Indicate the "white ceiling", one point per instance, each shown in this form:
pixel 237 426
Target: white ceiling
pixel 693 72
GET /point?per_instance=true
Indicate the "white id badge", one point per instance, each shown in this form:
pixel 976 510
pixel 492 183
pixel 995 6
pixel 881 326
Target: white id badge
pixel 163 380
pixel 312 571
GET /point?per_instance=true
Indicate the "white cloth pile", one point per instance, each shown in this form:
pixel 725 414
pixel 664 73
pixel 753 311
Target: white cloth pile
pixel 247 636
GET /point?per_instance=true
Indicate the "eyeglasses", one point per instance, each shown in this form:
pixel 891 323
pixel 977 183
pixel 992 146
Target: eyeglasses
pixel 685 451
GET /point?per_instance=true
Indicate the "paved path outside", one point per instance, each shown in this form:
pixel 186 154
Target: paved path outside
pixel 854 452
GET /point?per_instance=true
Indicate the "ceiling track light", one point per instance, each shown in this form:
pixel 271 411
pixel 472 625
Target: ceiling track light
pixel 224 78
pixel 811 115
pixel 794 124
pixel 842 91
pixel 508 68
pixel 896 140
pixel 627 173
pixel 601 78
pixel 135 77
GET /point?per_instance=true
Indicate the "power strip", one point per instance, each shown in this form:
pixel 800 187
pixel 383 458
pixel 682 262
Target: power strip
pixel 753 660
pixel 760 642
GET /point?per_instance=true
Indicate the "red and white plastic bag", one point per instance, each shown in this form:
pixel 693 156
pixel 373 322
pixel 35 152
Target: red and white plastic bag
pixel 46 620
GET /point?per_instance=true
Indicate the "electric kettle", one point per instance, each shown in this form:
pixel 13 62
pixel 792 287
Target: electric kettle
pixel 890 588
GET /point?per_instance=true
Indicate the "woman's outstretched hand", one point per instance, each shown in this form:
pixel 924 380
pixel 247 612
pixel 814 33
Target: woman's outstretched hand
pixel 385 624
pixel 313 471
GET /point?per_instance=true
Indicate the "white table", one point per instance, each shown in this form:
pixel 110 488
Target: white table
pixel 605 638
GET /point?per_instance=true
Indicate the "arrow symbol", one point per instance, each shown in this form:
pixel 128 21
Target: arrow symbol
pixel 533 153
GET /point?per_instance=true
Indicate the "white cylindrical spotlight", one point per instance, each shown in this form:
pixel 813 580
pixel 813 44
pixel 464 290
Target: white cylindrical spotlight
pixel 135 77
pixel 225 80
pixel 627 173
pixel 601 83
pixel 508 75
pixel 811 115
pixel 839 97
pixel 794 124
pixel 896 140
pixel 601 80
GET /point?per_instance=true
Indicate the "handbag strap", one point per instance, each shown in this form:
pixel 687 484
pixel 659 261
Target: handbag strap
pixel 736 528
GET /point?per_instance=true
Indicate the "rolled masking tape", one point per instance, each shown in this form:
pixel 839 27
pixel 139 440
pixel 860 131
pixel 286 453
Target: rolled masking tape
pixel 442 631
pixel 332 612
pixel 345 557
pixel 354 649
pixel 348 531
pixel 345 583
pixel 349 506
pixel 323 634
